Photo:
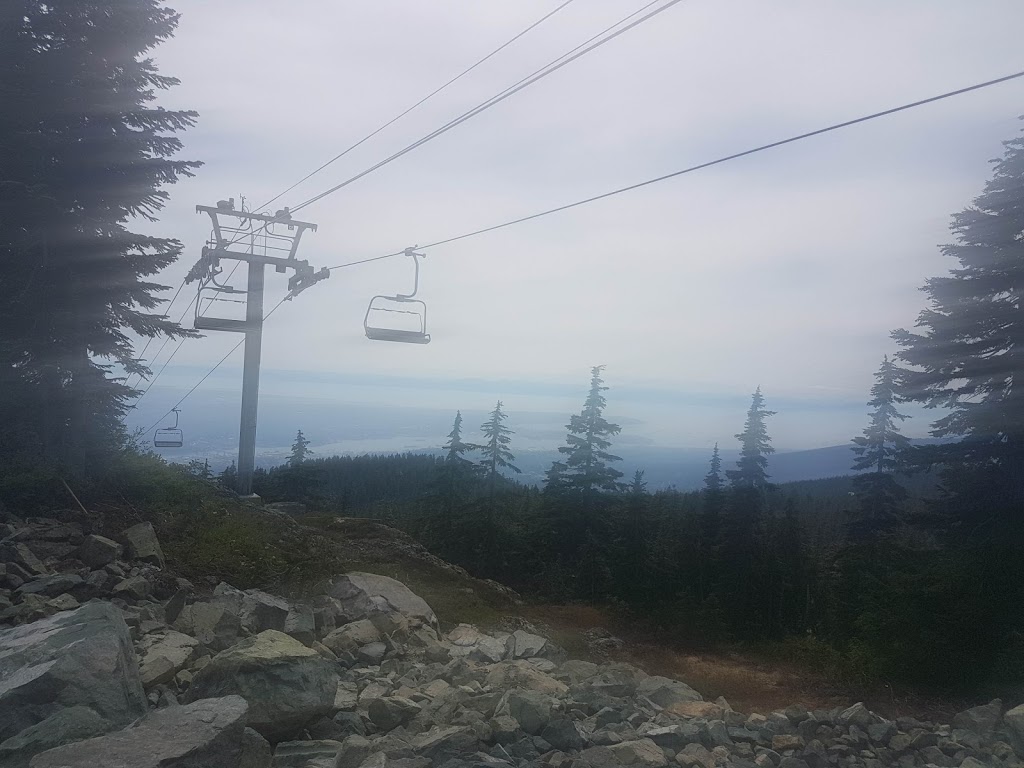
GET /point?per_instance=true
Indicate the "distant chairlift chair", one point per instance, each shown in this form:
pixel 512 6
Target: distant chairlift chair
pixel 169 437
pixel 402 304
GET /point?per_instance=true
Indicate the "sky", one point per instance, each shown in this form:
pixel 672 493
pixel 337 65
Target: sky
pixel 786 270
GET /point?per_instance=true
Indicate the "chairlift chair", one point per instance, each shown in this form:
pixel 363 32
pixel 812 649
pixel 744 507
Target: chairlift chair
pixel 401 304
pixel 169 437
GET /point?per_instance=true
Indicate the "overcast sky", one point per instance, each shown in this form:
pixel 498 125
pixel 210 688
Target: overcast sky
pixel 786 270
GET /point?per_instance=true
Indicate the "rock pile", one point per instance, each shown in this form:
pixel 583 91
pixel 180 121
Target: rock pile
pixel 108 660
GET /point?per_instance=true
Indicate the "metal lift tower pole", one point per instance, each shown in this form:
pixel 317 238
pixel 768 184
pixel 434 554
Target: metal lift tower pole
pixel 250 379
pixel 267 239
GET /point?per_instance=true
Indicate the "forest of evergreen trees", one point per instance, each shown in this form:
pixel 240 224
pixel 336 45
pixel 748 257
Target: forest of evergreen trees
pixel 856 567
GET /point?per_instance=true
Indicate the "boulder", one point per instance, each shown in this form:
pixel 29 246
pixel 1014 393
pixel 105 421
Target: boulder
pixel 300 623
pixel 97 551
pixel 980 720
pixel 665 692
pixel 858 715
pixel 256 610
pixel 142 544
pixel 703 709
pixel 62 727
pixel 364 595
pixel 353 751
pixel 214 625
pixel 389 712
pixel 531 709
pixel 286 684
pixel 318 753
pixel 134 587
pixel 51 586
pixel 562 733
pixel 164 655
pixel 523 645
pixel 352 635
pixel 441 742
pixel 81 658
pixel 522 674
pixel 468 641
pixel 20 555
pixel 1014 721
pixel 205 733
pixel 639 752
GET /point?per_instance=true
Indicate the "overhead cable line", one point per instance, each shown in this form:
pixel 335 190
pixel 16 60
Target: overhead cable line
pixel 692 168
pixel 159 351
pixel 527 81
pixel 429 96
pixel 209 373
pixel 150 339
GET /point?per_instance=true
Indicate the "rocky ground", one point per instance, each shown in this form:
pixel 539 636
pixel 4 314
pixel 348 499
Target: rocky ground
pixel 108 659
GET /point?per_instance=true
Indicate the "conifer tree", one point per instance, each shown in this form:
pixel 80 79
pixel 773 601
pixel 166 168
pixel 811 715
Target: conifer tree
pixel 456 446
pixel 83 151
pixel 967 360
pixel 300 450
pixel 587 457
pixel 714 487
pixel 752 468
pixel 881 450
pixel 497 456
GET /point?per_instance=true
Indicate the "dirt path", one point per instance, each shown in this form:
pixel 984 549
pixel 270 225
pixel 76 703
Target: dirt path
pixel 749 684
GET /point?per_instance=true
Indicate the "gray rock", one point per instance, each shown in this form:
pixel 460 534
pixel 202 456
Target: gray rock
pixel 641 752
pixel 441 742
pixel 665 692
pixel 389 712
pixel 256 610
pixel 562 733
pixel 718 734
pixel 82 658
pixel 142 544
pixel 523 645
pixel 286 684
pixel 880 733
pixel 531 709
pixel 468 641
pixel 164 655
pixel 363 595
pixel 62 727
pixel 353 751
pixel 213 625
pixel 202 734
pixel 300 623
pixel 352 635
pixel 20 555
pixel 51 586
pixel 350 723
pixel 1014 721
pixel 695 756
pixel 504 729
pixel 857 715
pixel 372 653
pixel 256 751
pixel 981 720
pixel 674 737
pixel 321 753
pixel 97 551
pixel 135 587
pixel 63 602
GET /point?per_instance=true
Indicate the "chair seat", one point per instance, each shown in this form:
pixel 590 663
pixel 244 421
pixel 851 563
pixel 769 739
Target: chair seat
pixel 389 334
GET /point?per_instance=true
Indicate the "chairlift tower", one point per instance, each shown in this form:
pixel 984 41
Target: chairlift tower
pixel 259 240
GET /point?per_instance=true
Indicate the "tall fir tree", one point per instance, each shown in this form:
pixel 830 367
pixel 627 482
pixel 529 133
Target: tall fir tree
pixel 495 448
pixel 450 491
pixel 755 446
pixel 586 454
pixel 968 360
pixel 881 451
pixel 300 450
pixel 84 151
